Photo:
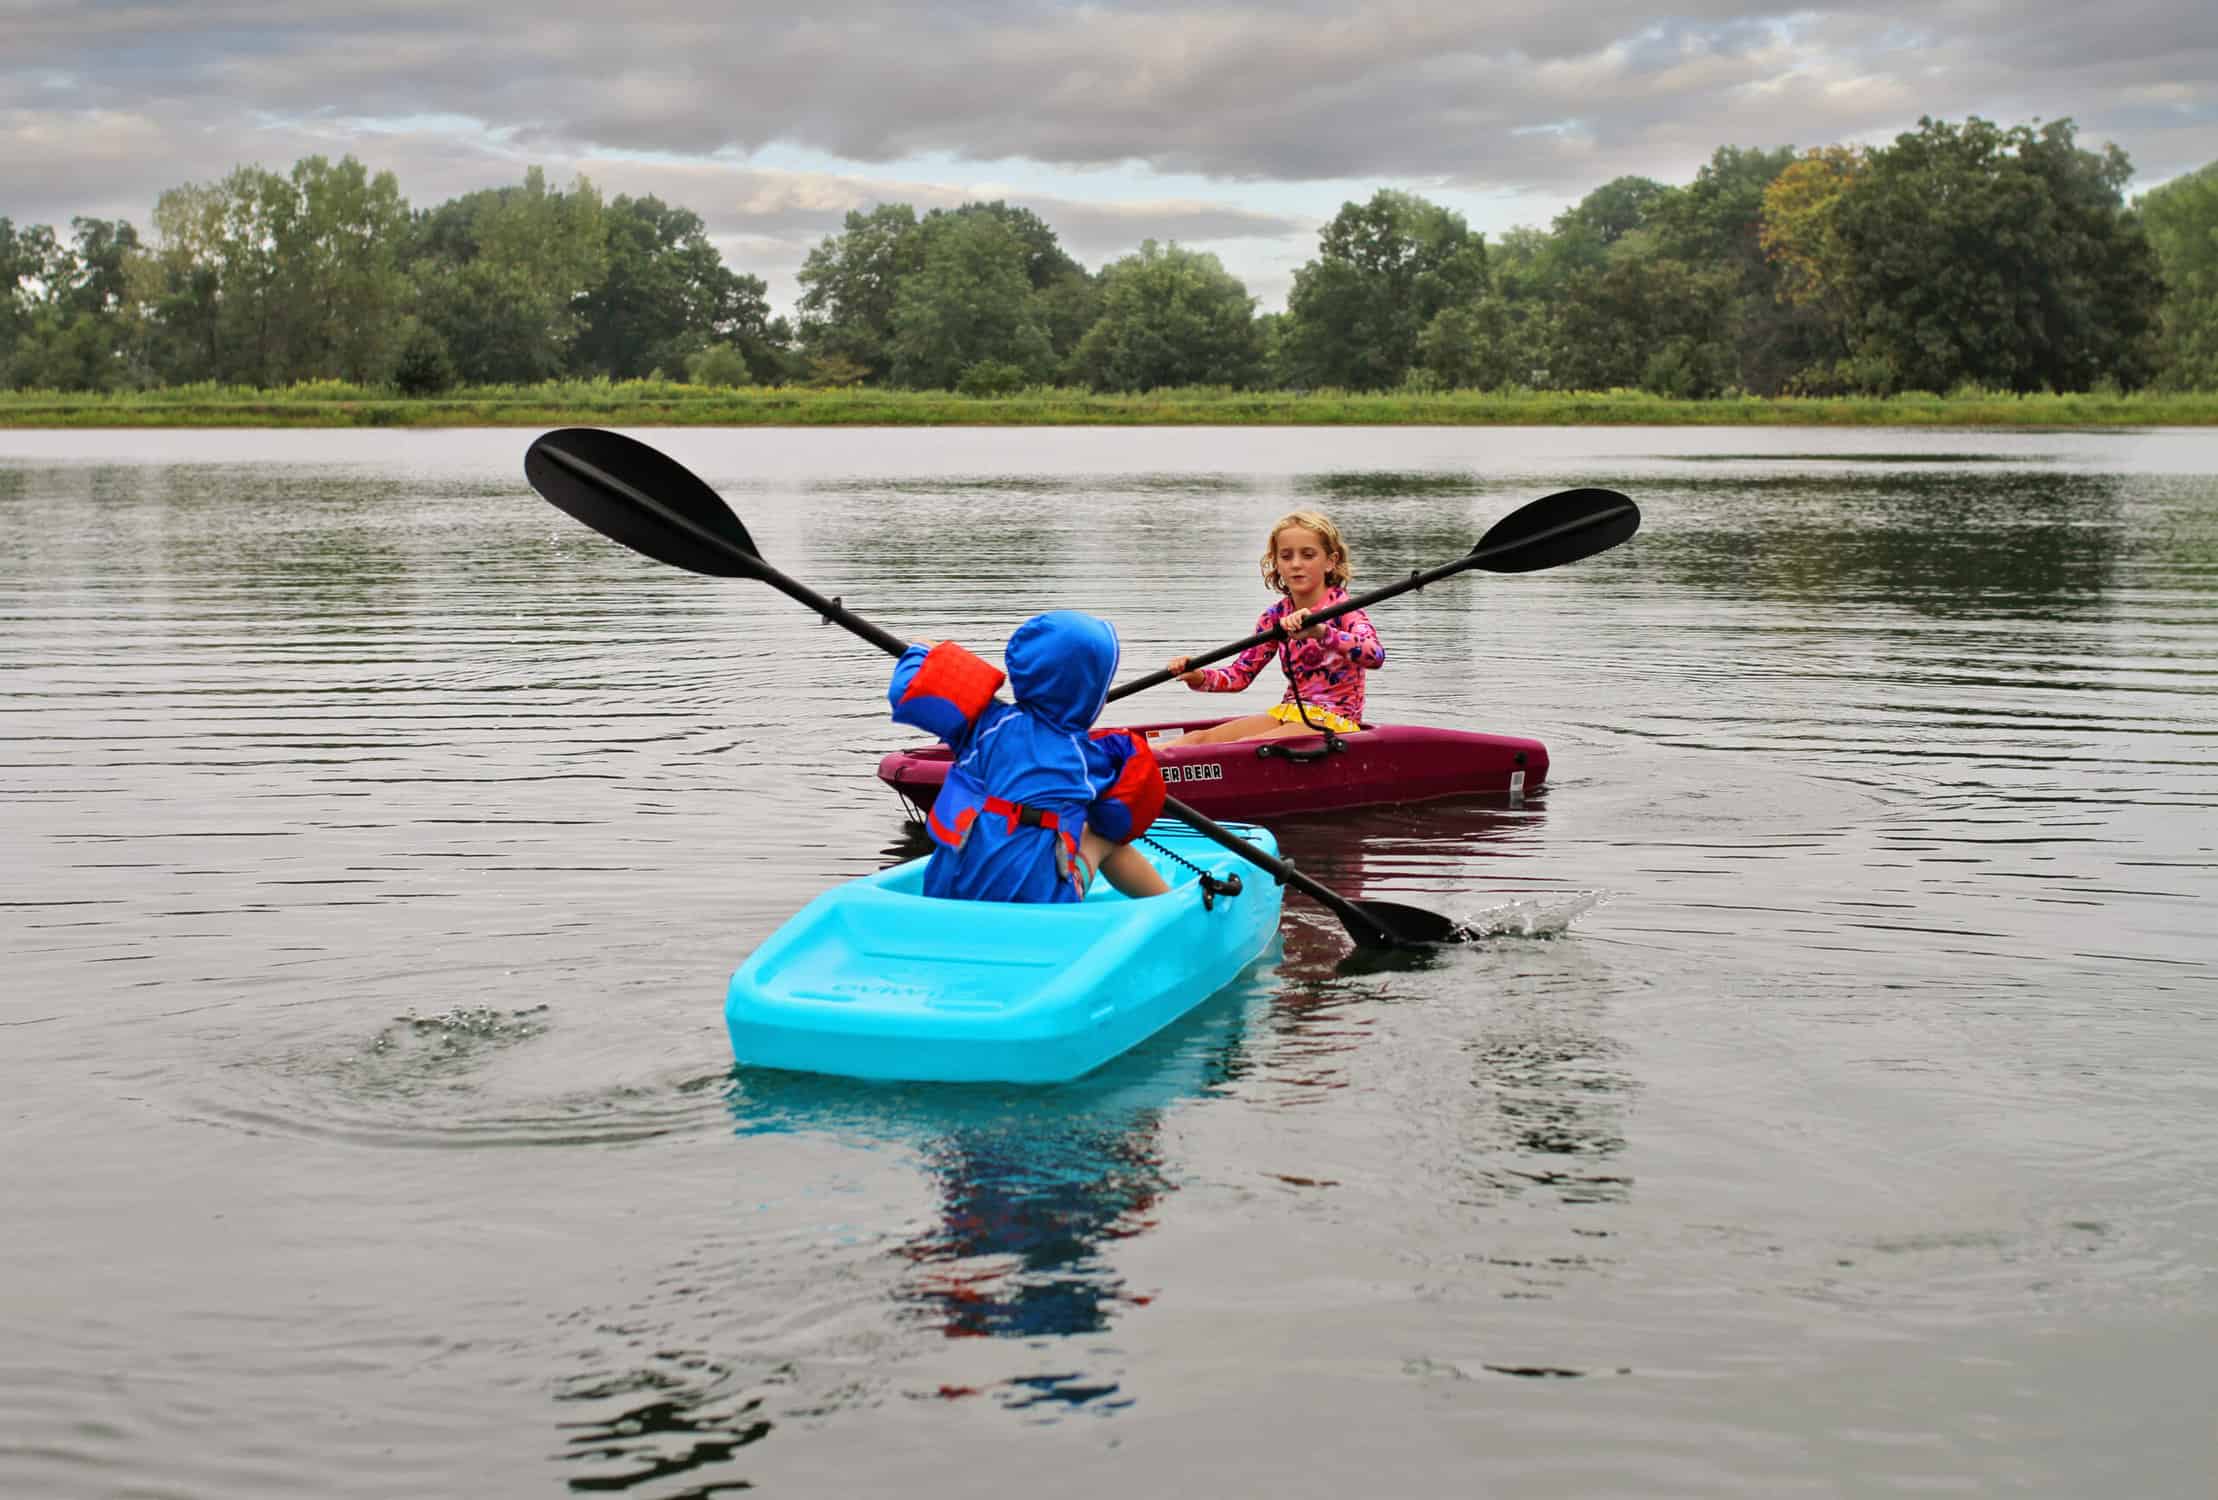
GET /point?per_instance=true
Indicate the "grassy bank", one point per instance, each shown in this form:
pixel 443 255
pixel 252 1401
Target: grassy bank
pixel 660 403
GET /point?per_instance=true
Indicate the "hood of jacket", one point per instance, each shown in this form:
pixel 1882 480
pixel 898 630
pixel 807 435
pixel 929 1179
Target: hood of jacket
pixel 1060 667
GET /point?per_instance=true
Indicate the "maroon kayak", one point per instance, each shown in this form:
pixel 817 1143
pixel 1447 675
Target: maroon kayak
pixel 1300 773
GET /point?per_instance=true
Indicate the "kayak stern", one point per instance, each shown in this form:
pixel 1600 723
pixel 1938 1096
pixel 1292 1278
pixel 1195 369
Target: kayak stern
pixel 874 979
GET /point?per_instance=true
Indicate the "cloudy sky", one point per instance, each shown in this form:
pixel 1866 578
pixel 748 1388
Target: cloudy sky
pixel 1235 128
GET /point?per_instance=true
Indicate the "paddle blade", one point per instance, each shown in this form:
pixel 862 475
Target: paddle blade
pixel 1403 926
pixel 1556 529
pixel 644 498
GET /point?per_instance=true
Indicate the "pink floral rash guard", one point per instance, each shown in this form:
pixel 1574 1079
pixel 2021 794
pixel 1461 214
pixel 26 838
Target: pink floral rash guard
pixel 1329 672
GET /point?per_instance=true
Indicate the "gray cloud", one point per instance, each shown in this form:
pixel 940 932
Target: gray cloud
pixel 103 103
pixel 766 222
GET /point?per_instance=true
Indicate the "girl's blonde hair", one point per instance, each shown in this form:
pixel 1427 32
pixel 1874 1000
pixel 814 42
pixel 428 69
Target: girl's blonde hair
pixel 1338 570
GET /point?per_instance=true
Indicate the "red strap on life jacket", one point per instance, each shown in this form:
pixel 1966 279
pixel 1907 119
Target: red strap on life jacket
pixel 1067 859
pixel 1069 862
pixel 1020 816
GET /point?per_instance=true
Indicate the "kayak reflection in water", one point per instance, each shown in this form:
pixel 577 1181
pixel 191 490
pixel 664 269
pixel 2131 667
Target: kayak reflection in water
pixel 1307 562
pixel 1024 1216
pixel 1037 799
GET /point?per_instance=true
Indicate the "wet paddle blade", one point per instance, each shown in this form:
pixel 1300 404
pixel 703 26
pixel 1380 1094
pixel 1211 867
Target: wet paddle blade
pixel 641 497
pixel 1404 926
pixel 1556 529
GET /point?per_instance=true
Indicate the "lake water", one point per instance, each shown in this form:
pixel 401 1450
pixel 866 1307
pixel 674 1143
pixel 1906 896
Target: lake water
pixel 1834 1110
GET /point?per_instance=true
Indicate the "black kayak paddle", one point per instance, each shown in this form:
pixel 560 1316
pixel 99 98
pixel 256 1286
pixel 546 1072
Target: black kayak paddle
pixel 647 500
pixel 1551 531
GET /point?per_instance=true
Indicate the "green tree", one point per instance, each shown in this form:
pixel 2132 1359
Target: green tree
pixel 342 271
pixel 1384 270
pixel 1715 223
pixel 1801 238
pixel 1068 308
pixel 248 215
pixel 31 262
pixel 990 377
pixel 13 273
pixel 667 294
pixel 718 364
pixel 183 285
pixel 69 319
pixel 256 208
pixel 267 279
pixel 1615 209
pixel 1800 230
pixel 2182 223
pixel 1650 320
pixel 1717 219
pixel 1065 299
pixel 1526 264
pixel 1488 343
pixel 833 372
pixel 1045 260
pixel 64 354
pixel 849 283
pixel 1170 317
pixel 99 278
pixel 2004 257
pixel 969 300
pixel 1270 342
pixel 426 365
pixel 501 273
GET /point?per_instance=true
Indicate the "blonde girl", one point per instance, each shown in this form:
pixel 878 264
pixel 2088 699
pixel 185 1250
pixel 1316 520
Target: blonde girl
pixel 1306 562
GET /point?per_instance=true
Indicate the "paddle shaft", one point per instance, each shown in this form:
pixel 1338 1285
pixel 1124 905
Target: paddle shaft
pixel 1278 633
pixel 752 565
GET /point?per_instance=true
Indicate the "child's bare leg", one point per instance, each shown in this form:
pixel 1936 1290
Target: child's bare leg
pixel 1126 868
pixel 1247 727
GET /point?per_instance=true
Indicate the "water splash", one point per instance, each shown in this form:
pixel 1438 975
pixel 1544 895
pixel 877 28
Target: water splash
pixel 445 1081
pixel 1544 919
pixel 458 1035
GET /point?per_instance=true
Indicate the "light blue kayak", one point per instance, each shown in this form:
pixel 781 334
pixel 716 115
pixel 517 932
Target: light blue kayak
pixel 874 979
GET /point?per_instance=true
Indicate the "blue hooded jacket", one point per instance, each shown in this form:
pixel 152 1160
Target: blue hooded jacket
pixel 1028 776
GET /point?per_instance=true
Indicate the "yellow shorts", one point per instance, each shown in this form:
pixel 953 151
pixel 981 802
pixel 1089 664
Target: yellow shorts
pixel 1320 718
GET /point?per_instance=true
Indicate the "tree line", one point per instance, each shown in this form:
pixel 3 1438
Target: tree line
pixel 325 273
pixel 2007 258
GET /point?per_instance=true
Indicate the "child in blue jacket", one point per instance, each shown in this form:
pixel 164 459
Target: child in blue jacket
pixel 1037 799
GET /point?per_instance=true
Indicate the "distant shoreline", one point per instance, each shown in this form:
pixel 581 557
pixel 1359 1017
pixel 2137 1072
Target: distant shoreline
pixel 654 403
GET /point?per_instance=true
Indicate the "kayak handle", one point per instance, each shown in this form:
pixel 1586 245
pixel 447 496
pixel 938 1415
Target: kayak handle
pixel 1332 743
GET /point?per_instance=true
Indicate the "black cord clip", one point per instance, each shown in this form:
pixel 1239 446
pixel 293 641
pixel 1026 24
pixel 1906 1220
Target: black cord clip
pixel 1212 886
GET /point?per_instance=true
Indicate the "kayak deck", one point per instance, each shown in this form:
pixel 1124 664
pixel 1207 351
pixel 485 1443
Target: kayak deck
pixel 874 979
pixel 1385 763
